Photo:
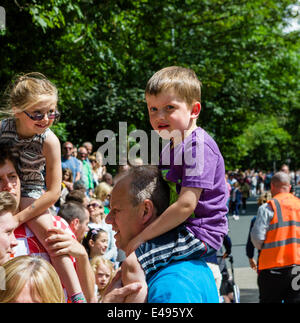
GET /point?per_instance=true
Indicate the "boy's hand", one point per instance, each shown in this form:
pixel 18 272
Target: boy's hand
pixel 133 244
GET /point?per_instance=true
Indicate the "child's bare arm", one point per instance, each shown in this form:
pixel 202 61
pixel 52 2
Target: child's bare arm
pixel 132 272
pixel 51 151
pixel 173 216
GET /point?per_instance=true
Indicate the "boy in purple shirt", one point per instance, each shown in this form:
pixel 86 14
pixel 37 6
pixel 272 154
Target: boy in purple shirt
pixel 195 223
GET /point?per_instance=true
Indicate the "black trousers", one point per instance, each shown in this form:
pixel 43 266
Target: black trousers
pixel 279 285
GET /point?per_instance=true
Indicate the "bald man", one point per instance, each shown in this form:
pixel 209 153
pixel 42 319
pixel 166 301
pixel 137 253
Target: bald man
pixel 276 233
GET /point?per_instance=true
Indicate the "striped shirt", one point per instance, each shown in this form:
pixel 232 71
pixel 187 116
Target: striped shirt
pixel 29 153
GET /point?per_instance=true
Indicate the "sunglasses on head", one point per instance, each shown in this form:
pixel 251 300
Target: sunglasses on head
pixel 37 116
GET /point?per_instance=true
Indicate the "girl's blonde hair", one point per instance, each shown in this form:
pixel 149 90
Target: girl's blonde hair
pixel 263 198
pixel 42 278
pixel 26 91
pixel 102 190
pixel 100 260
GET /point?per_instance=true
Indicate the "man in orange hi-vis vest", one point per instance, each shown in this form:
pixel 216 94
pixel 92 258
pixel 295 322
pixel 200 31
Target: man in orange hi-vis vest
pixel 276 233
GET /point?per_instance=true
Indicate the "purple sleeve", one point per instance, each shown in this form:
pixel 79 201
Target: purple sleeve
pixel 200 163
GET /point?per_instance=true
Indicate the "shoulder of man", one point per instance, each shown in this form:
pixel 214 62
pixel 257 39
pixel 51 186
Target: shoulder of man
pixel 61 223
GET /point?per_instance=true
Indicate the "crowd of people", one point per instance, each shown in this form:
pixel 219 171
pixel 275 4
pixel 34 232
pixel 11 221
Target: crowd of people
pixel 86 181
pixel 252 183
pixel 141 235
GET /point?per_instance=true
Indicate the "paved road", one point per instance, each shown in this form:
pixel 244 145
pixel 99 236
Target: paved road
pixel 245 277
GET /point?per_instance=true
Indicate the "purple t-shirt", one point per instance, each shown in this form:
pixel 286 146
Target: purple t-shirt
pixel 197 162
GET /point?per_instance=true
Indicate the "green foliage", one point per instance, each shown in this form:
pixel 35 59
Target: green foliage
pixel 100 55
pixel 60 130
pixel 266 141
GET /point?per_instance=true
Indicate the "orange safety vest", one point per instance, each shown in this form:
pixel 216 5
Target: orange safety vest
pixel 281 247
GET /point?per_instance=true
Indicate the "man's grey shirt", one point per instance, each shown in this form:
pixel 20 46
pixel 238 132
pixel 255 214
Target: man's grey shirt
pixel 259 231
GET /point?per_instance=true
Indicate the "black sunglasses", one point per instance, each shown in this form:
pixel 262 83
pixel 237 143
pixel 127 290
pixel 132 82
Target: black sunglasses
pixel 40 116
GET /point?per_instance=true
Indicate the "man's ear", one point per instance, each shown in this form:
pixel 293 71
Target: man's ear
pixel 148 211
pixel 196 109
pixel 74 224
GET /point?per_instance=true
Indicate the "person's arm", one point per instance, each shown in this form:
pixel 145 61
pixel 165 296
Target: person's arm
pixel 115 293
pixel 260 226
pixel 249 245
pixel 51 151
pixel 78 170
pixel 227 244
pixel 250 248
pixel 173 216
pixel 132 272
pixel 252 263
pixel 61 243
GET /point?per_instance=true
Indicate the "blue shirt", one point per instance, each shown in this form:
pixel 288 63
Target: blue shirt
pixel 188 281
pixel 73 164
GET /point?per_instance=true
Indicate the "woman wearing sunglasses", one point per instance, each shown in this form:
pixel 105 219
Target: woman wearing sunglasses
pixel 97 221
pixel 32 106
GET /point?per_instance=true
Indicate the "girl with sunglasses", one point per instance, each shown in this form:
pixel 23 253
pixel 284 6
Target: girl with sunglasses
pixel 97 221
pixel 32 109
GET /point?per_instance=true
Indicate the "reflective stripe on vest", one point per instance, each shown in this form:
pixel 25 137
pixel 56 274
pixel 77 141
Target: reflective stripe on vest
pixel 281 224
pixel 282 244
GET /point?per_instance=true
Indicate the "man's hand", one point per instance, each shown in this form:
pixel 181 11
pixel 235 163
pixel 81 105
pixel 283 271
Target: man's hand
pixel 117 294
pixel 252 263
pixel 61 243
pixel 225 255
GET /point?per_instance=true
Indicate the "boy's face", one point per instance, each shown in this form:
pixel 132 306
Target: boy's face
pixel 170 115
pixel 7 238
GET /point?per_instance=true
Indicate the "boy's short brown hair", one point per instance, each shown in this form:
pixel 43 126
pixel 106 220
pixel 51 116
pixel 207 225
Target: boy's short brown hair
pixel 182 80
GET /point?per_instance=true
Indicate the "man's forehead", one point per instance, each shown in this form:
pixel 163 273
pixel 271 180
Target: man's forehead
pixel 68 144
pixel 120 191
pixel 87 213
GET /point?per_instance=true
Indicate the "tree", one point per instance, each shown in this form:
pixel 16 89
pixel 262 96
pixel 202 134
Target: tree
pixel 265 141
pixel 101 54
